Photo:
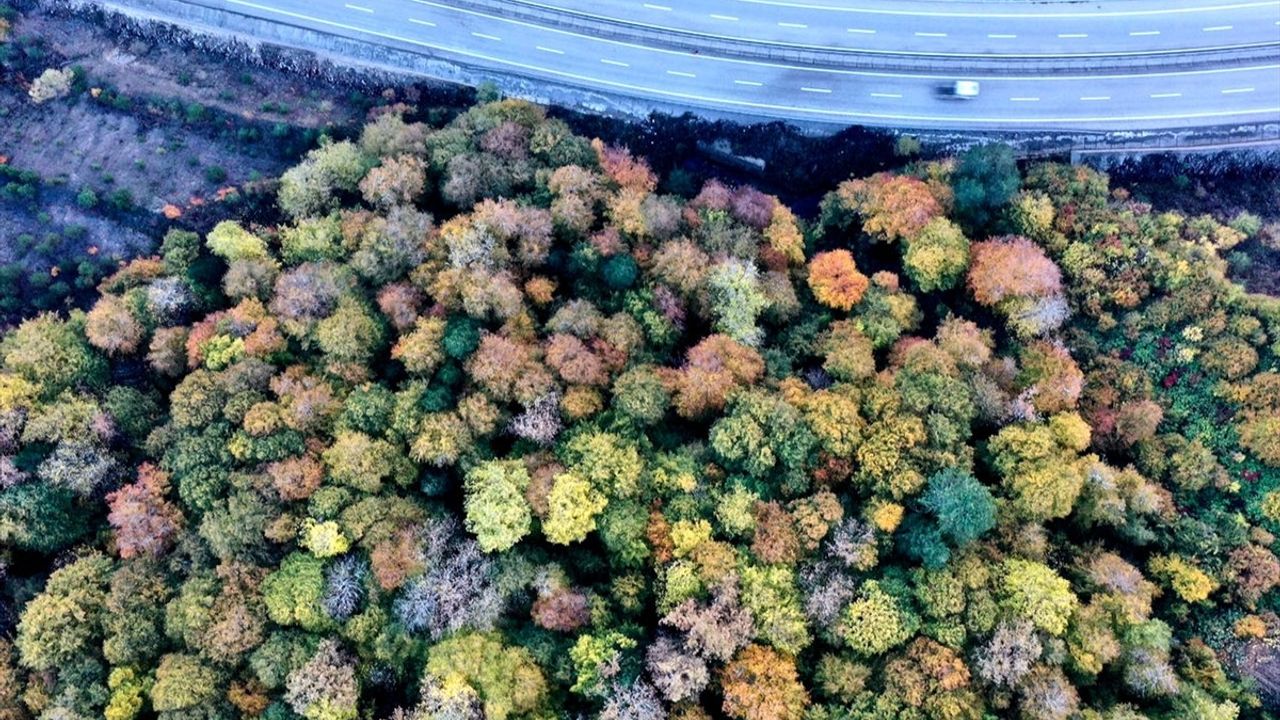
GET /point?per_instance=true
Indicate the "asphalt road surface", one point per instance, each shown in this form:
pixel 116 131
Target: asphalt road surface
pixel 1102 65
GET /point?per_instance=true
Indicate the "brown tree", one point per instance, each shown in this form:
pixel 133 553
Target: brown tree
pixel 112 328
pixel 145 522
pixel 762 684
pixel 835 280
pixel 1011 267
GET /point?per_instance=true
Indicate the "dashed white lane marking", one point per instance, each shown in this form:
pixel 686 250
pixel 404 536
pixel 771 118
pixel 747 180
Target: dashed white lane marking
pixel 977 14
pixel 1091 98
pixel 1166 95
pixel 553 51
pixel 1216 28
pixel 1073 35
pixel 358 8
pixel 729 18
pixel 679 73
pixel 619 63
pixel 861 31
pixel 930 34
pixel 663 8
pixel 1233 91
pixel 1024 99
pixel 751 83
pixel 1140 33
pixel 886 95
pixel 484 36
pixel 427 23
pixel 798 26
pixel 1001 36
pixel 824 91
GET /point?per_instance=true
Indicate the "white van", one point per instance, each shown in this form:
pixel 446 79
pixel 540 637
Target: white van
pixel 960 90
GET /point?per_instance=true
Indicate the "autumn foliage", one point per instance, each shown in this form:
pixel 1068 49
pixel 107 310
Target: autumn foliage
pixel 835 280
pixel 492 420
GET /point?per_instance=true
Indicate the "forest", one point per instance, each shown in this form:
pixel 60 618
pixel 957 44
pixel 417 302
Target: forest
pixel 496 423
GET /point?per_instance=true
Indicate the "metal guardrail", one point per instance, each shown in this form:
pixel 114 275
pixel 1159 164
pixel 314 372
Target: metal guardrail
pixel 924 64
pixel 1253 136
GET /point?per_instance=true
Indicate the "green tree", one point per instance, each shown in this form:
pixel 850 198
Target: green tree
pixel 293 593
pixel 985 180
pixel 505 679
pixel 364 463
pixel 352 335
pixel 312 187
pixel 766 438
pixel 63 624
pixel 876 621
pixel 496 508
pixel 185 682
pixel 737 300
pixel 963 506
pixel 607 461
pixel 596 660
pixel 1033 591
pixel 231 242
pixel 771 595
pixel 937 257
pixel 53 354
pixel 640 394
pixel 41 517
pixel 572 507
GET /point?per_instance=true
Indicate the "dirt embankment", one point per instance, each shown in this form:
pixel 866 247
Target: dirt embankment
pixel 155 132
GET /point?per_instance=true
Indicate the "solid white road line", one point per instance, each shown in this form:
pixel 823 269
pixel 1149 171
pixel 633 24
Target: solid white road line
pixel 1166 95
pixel 681 73
pixel 485 36
pixel 427 23
pixel 1233 91
pixel 825 112
pixel 358 8
pixel 553 51
pixel 823 91
pixel 607 61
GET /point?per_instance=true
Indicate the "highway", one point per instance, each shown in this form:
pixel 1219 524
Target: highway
pixel 953 29
pixel 1107 65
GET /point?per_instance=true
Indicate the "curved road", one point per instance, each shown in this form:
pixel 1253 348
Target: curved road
pixel 1106 65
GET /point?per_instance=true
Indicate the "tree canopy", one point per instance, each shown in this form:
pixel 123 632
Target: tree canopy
pixel 484 424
